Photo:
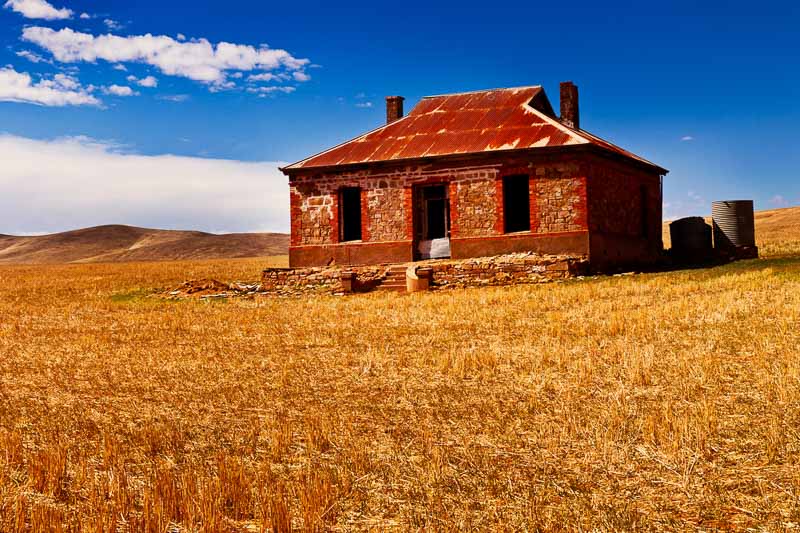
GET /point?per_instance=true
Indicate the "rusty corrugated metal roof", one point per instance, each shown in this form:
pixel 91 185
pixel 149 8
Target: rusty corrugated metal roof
pixel 463 123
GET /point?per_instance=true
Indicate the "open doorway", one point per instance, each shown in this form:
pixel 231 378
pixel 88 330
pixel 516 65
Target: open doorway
pixel 432 221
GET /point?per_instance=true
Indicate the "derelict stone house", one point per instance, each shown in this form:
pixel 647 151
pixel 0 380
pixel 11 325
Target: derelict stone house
pixel 476 174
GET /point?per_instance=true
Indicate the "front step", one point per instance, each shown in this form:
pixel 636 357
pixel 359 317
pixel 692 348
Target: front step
pixel 394 280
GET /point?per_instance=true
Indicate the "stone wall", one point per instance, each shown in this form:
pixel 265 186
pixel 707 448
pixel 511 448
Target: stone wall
pixel 506 269
pixel 510 269
pixel 321 280
pixel 385 213
pixel 560 204
pixel 473 197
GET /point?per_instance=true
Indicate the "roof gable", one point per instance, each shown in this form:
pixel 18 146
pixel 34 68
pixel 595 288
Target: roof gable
pixel 463 123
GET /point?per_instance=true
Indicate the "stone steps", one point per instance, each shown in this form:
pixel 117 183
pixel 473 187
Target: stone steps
pixel 395 279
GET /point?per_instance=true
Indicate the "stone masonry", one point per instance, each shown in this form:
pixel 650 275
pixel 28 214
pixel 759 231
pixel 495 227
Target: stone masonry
pixel 476 202
pixel 509 269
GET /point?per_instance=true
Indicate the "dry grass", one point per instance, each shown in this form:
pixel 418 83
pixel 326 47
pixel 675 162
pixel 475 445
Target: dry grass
pixel 661 401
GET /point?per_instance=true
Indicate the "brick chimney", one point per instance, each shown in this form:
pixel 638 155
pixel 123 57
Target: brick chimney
pixel 570 116
pixel 394 108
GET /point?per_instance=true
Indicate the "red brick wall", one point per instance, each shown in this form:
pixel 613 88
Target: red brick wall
pixel 615 214
pixel 615 200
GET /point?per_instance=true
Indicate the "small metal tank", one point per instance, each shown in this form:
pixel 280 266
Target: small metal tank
pixel 691 239
pixel 734 227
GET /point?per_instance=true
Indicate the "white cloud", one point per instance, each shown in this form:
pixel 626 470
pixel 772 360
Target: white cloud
pixel 61 90
pixel 33 57
pixel 85 16
pixel 78 182
pixel 148 81
pixel 112 24
pixel 364 104
pixel 300 76
pixel 687 138
pixel 198 60
pixel 37 9
pixel 120 67
pixel 270 90
pixel 174 97
pixel 779 201
pixel 119 90
pixel 267 76
pixel 181 37
pixel 223 86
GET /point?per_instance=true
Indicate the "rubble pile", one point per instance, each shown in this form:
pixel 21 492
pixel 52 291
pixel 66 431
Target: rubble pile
pixel 211 288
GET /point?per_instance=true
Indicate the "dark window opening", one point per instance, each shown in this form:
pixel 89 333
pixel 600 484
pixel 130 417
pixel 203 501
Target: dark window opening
pixel 644 211
pixel 437 212
pixel 516 203
pixel 350 214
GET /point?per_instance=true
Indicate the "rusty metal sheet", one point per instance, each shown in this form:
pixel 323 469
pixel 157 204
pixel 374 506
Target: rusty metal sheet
pixel 476 122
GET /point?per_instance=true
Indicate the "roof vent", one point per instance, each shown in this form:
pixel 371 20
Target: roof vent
pixel 570 116
pixel 394 108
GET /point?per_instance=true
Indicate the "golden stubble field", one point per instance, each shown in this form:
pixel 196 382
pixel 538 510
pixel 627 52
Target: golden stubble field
pixel 665 401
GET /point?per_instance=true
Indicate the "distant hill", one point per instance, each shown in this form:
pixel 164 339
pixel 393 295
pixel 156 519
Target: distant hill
pixel 778 224
pixel 772 226
pixel 126 243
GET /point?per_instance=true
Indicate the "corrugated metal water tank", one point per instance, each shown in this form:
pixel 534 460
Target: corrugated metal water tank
pixel 734 225
pixel 691 238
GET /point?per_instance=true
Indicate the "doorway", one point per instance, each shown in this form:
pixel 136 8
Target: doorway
pixel 432 221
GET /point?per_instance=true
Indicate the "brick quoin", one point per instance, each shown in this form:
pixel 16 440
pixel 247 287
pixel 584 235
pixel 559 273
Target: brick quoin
pixel 364 215
pixel 335 218
pixel 582 207
pixel 408 209
pixel 295 215
pixel 534 207
pixel 452 193
pixel 500 220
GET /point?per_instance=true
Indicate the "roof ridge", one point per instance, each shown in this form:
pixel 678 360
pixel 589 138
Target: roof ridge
pixel 483 91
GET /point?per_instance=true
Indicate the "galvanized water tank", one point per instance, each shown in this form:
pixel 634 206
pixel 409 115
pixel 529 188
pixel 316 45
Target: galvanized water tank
pixel 691 239
pixel 734 226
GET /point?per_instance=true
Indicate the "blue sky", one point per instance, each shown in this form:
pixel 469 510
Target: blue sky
pixel 708 92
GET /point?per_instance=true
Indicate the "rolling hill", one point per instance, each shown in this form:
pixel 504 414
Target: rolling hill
pixel 117 243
